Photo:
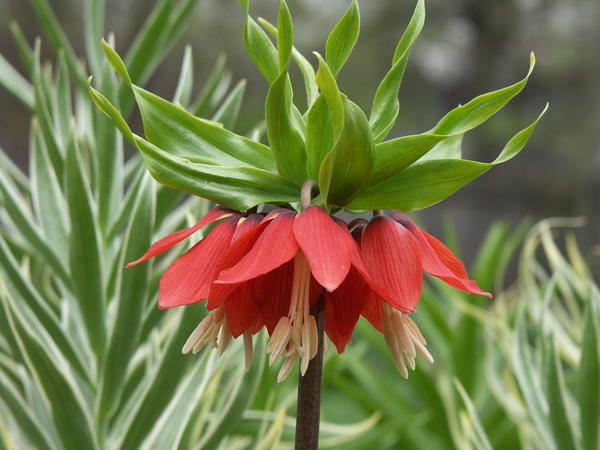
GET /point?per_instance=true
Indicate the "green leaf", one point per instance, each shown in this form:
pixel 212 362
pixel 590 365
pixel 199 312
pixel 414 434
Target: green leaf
pixel 480 433
pixel 237 399
pixel 588 376
pixel 14 206
pixel 228 112
pixel 180 133
pixel 131 292
pixel 211 93
pixel 345 170
pixel 236 187
pixel 285 36
pixel 23 415
pixel 45 318
pixel 285 139
pixel 57 384
pixel 170 427
pixel 560 414
pixel 58 38
pixel 107 108
pixel 385 107
pixel 25 50
pixel 426 183
pixel 329 88
pixel 115 60
pixel 342 39
pixel 61 101
pixel 397 154
pixel 481 108
pixel 449 148
pixel 259 47
pixel 319 135
pixel 308 73
pixel 85 257
pixel 183 92
pixel 47 197
pixel 94 28
pixel 15 83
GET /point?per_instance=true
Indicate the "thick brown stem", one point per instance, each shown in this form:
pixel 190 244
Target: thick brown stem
pixel 309 391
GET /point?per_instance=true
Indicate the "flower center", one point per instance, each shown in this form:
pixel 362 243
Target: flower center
pixel 404 339
pixel 295 335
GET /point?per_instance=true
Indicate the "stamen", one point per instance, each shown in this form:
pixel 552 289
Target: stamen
pixel 404 339
pixel 296 336
pixel 225 338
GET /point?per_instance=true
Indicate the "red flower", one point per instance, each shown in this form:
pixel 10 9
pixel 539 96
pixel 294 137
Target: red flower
pixel 292 261
pixel 269 271
pixel 395 252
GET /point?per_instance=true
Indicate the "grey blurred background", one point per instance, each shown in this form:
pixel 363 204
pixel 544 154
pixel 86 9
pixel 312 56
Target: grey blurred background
pixel 467 47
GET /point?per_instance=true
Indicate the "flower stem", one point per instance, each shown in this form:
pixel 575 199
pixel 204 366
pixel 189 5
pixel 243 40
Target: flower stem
pixel 309 391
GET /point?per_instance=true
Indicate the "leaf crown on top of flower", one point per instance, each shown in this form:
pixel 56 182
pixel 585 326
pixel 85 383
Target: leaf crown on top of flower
pixel 333 141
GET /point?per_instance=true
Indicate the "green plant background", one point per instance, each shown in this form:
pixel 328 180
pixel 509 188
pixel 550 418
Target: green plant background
pixel 88 361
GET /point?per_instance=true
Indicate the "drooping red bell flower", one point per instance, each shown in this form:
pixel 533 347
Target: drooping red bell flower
pixel 284 267
pixel 395 252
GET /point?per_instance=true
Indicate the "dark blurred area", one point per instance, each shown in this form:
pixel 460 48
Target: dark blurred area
pixel 467 47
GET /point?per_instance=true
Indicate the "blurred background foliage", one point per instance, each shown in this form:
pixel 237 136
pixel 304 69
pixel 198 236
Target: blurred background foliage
pixel 518 372
pixel 467 47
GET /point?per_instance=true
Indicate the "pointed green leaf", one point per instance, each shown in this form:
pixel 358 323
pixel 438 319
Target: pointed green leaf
pixel 308 73
pixel 57 384
pixel 47 196
pixel 385 107
pixel 15 83
pixel 319 135
pixel 285 36
pixel 180 133
pixel 22 414
pixel 107 108
pixel 481 108
pixel 131 292
pixel 286 141
pixel 85 258
pixel 211 92
pixel 428 182
pixel 345 170
pixel 560 414
pixel 46 320
pixel 449 148
pixel 397 154
pixel 115 60
pixel 588 376
pixel 58 38
pixel 329 88
pixel 94 29
pixel 61 101
pixel 259 47
pixel 178 414
pixel 183 92
pixel 25 50
pixel 342 39
pixel 237 187
pixel 15 206
pixel 228 112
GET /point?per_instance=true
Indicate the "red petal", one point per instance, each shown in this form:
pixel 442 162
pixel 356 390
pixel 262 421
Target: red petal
pixel 343 307
pixel 326 246
pixel 439 261
pixel 175 238
pixel 273 294
pixel 242 312
pixel 275 246
pixel 188 279
pixel 393 259
pixel 242 242
pixel 373 311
